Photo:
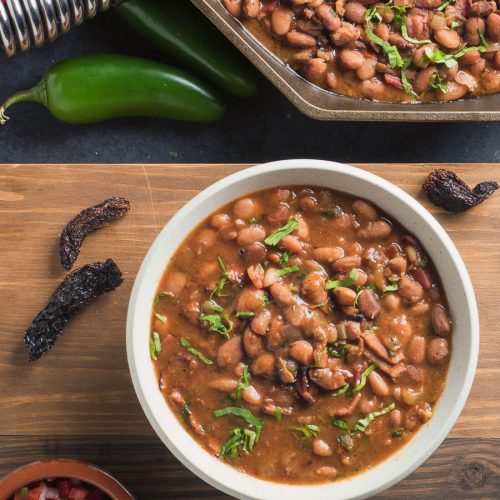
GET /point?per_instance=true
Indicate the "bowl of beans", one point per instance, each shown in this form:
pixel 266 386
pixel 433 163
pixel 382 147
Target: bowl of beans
pixel 61 479
pixel 302 328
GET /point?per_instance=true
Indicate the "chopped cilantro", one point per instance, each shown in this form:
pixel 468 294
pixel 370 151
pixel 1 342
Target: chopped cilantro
pixel 23 492
pixel 338 350
pixel 161 295
pixel 350 280
pixel 240 314
pixel 331 211
pixel 287 270
pixel 340 391
pixel 277 414
pixel 217 322
pixel 243 413
pixel 253 221
pixel 185 343
pixel 284 257
pixel 436 82
pixel 154 345
pixel 392 53
pixel 246 438
pixel 340 423
pixel 373 15
pixel 404 79
pixel 363 423
pixel 223 280
pixel 161 318
pixel 308 431
pixel 364 377
pixel 243 382
pixel 274 238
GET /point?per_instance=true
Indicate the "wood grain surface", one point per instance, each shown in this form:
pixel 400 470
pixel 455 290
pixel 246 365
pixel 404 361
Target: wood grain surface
pixel 78 401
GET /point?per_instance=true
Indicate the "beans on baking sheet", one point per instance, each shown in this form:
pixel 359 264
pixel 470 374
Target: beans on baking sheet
pixel 399 50
pixel 315 357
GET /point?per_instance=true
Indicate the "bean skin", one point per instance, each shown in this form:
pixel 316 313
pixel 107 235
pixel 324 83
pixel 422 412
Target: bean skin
pixel 251 395
pixel 246 208
pixel 261 321
pixel 355 12
pixel 251 8
pixel 437 351
pixel 253 344
pixel 368 303
pixel 398 264
pixel 300 39
pixel 410 290
pixel 472 27
pixel 230 353
pixel 328 254
pixel 454 91
pixel 416 350
pixel 378 384
pixel 448 38
pixel 264 365
pixel 281 20
pixel 250 235
pixel 345 264
pixel 440 321
pixel 321 448
pixel 493 27
pixel 328 18
pixel 351 59
pixel 282 294
pixel 344 296
pixel 314 69
pixel 302 352
pixel 379 229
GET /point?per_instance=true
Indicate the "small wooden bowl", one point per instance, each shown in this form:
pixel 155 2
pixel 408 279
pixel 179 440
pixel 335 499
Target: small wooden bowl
pixel 70 469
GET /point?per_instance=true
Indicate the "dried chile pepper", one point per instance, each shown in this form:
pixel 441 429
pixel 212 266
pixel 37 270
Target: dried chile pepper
pixel 446 190
pixel 77 290
pixel 85 222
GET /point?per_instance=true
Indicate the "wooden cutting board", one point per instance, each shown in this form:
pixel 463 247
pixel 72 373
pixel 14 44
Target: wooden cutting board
pixel 78 401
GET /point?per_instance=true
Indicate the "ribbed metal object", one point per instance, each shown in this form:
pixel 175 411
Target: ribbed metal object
pixel 25 24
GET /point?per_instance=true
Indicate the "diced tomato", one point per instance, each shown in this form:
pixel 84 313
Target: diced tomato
pixel 64 488
pixel 78 493
pixel 96 495
pixel 35 493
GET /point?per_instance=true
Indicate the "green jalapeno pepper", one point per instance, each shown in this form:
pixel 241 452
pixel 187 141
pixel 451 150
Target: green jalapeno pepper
pixel 90 89
pixel 185 34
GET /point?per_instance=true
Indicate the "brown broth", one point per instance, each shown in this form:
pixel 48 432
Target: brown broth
pixel 280 455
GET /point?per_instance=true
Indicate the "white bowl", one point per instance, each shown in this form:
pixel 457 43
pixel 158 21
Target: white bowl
pixel 405 210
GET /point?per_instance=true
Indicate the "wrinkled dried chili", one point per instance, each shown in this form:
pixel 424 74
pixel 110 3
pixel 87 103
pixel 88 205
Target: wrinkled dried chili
pixel 77 290
pixel 85 222
pixel 446 190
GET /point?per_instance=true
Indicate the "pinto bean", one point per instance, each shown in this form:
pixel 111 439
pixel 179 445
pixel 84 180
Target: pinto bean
pixel 314 69
pixel 233 7
pixel 482 8
pixel 326 378
pixel 282 294
pixel 279 215
pixel 410 290
pixel 440 321
pixel 249 299
pixel 351 59
pixel 175 282
pixel 367 69
pixel 378 384
pixel 496 60
pixel 448 38
pixel 292 243
pixel 261 321
pixel 382 31
pixel 328 254
pixel 321 448
pixel 230 352
pixel 493 27
pixel 281 20
pixel 251 395
pixel 410 421
pixel 344 296
pixel 391 301
pixel 309 205
pixel 352 330
pixel 250 8
pixel 379 229
pixel 302 352
pixel 331 80
pixel 470 58
pixel 345 264
pixel 355 12
pixel 437 351
pixel 223 384
pixel 313 288
pixel 420 59
pixel 395 418
pixel 256 275
pixel 372 88
pixel 472 27
pixel 264 365
pixel 246 208
pixel 368 303
pixel 416 350
pixel 253 344
pixel 299 39
pixel 423 78
pixel 398 264
pixel 345 34
pixel 365 210
pixel 326 470
pixel 328 17
pixel 250 235
pixel 454 91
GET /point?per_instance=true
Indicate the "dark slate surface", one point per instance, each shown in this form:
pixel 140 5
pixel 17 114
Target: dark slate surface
pixel 261 129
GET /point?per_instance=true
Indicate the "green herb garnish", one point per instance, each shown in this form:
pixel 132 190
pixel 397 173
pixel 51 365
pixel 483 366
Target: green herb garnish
pixel 161 295
pixel 161 318
pixel 253 221
pixel 350 280
pixel 374 327
pixel 246 438
pixel 223 280
pixel 308 431
pixel 154 345
pixel 338 350
pixel 186 411
pixel 436 82
pixel 23 492
pixel 331 211
pixel 287 270
pixel 363 423
pixel 392 53
pixel 284 257
pixel 277 414
pixel 243 382
pixel 372 14
pixel 185 343
pixel 274 238
pixel 391 288
pixel 340 391
pixel 240 314
pixel 340 423
pixel 445 4
pixel 364 377
pixel 218 322
pixel 243 413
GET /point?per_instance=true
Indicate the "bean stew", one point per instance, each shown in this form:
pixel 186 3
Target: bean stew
pixel 393 51
pixel 301 334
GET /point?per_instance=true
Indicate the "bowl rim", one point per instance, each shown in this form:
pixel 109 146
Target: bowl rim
pixel 63 468
pixel 228 479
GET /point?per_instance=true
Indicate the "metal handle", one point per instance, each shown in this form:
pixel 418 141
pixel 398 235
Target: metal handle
pixel 31 23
